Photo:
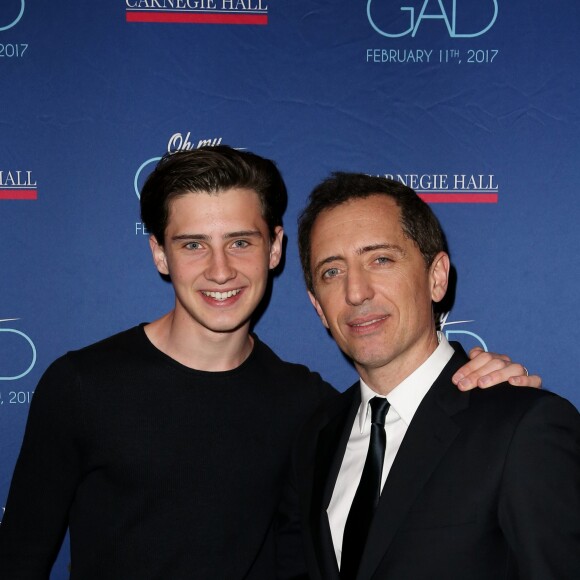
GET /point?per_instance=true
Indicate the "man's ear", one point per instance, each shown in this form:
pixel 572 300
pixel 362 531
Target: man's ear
pixel 159 256
pixel 318 309
pixel 439 276
pixel 276 247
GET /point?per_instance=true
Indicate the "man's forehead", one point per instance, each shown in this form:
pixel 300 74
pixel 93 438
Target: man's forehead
pixel 224 197
pixel 378 211
pixel 234 209
pixel 222 192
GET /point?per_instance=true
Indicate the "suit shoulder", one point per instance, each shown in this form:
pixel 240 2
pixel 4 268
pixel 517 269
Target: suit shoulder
pixel 509 393
pixel 331 407
pixel 520 401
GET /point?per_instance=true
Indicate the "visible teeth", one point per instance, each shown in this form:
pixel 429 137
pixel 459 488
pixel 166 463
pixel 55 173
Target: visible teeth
pixel 368 323
pixel 222 295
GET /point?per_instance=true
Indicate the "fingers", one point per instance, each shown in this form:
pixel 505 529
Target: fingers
pixel 481 365
pixel 486 369
pixel 504 374
pixel 526 381
pixel 480 356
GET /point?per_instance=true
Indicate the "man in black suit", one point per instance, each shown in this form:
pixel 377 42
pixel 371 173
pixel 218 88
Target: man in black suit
pixel 404 476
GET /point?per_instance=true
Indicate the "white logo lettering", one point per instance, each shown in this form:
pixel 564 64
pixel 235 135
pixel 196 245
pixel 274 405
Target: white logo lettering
pixel 16 20
pixel 436 12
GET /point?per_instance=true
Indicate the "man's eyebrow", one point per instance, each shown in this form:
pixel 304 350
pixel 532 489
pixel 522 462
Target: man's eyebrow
pixel 192 237
pixel 328 260
pixel 243 234
pixel 391 247
pixel 206 238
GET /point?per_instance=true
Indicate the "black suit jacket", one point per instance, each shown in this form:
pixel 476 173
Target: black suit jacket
pixel 486 484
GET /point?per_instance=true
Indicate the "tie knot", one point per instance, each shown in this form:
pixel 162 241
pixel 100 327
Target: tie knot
pixel 379 408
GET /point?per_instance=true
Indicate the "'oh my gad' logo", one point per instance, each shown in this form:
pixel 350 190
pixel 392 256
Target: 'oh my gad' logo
pixel 462 18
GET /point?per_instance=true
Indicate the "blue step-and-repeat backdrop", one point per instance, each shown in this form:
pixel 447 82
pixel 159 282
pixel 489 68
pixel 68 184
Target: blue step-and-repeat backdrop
pixel 474 103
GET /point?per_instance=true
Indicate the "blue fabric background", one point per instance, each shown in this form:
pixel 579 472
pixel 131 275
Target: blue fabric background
pixel 88 97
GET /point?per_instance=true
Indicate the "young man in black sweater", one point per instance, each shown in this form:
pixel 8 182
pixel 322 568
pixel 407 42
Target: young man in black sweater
pixel 163 449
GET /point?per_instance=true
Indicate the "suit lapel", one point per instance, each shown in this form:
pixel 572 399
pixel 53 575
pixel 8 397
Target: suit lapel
pixel 429 436
pixel 331 445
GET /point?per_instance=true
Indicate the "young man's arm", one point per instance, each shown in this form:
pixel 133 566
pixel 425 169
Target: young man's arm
pixel 45 478
pixel 486 369
pixel 290 557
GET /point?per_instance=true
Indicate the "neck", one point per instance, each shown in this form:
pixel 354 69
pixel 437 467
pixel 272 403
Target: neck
pixel 199 348
pixel 383 379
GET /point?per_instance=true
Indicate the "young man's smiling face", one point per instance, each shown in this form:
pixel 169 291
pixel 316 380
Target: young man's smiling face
pixel 217 253
pixel 372 288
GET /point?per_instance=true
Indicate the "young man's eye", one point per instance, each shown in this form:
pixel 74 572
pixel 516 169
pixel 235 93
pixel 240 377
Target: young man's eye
pixel 193 245
pixel 330 273
pixel 240 244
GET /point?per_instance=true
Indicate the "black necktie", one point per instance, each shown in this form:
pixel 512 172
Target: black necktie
pixel 367 494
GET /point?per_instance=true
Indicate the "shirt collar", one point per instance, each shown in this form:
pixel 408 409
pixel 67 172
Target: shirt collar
pixel 407 395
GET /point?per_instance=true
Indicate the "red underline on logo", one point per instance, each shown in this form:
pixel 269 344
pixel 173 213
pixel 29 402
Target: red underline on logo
pixel 459 197
pixel 18 194
pixel 191 18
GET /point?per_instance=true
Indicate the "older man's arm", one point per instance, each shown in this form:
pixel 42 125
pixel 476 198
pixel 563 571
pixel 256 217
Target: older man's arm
pixel 539 503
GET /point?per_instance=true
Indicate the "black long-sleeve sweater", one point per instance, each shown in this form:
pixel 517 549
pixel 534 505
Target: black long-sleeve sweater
pixel 160 471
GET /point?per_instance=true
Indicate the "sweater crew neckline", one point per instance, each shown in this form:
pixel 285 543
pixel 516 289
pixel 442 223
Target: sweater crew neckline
pixel 161 356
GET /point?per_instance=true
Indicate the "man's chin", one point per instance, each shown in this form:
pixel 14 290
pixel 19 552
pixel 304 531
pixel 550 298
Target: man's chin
pixel 370 360
pixel 230 326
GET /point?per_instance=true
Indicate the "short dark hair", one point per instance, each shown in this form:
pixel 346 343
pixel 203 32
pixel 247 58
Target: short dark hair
pixel 417 219
pixel 211 170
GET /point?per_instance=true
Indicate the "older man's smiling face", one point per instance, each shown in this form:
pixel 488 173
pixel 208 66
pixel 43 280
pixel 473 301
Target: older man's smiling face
pixel 372 288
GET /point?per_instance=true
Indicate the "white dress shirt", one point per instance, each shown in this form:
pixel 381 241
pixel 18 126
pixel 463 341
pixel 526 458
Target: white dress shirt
pixel 404 400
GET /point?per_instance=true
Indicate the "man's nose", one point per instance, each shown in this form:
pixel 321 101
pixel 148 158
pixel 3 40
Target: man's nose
pixel 220 269
pixel 358 287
